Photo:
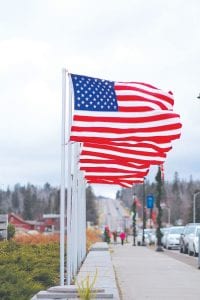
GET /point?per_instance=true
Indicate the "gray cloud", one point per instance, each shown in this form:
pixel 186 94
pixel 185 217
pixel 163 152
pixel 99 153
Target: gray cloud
pixel 151 41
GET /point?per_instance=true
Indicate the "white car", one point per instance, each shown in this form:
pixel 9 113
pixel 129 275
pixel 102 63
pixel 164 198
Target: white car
pixel 140 236
pixel 193 242
pixel 151 235
pixel 164 231
pixel 173 237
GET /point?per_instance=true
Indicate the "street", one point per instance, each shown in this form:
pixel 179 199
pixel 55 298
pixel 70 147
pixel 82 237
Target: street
pixel 113 214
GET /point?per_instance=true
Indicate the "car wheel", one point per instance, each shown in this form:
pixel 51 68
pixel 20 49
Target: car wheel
pixel 190 252
pixel 185 250
pixel 194 252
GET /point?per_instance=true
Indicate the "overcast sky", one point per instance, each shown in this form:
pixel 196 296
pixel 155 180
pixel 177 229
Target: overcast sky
pixel 153 41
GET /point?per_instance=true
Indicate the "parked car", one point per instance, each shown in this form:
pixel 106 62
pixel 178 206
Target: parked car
pixel 164 231
pixel 140 235
pixel 193 242
pixel 188 231
pixel 151 235
pixel 172 240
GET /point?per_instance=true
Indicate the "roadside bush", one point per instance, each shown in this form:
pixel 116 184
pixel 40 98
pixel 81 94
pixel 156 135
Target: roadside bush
pixel 30 263
pixel 11 231
pixel 93 236
pixel 26 269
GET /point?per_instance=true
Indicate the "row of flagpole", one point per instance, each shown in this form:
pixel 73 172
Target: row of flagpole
pixel 73 251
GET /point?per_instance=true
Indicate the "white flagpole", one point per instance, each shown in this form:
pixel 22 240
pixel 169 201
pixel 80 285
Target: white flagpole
pixel 69 191
pixel 62 188
pixel 74 198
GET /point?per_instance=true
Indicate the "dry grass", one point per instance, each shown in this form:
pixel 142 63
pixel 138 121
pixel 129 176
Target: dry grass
pixel 93 236
pixel 37 238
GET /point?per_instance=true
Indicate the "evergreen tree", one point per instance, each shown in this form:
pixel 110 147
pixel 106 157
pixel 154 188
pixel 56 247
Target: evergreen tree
pixel 15 198
pixel 91 207
pixel 176 205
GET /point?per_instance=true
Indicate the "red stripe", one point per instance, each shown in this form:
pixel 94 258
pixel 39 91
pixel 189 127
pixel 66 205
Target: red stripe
pixel 117 119
pixel 154 94
pixel 111 177
pixel 117 182
pixel 134 109
pixel 112 170
pixel 115 161
pixel 133 150
pixel 140 98
pixel 127 130
pixel 149 145
pixel 155 139
pixel 134 160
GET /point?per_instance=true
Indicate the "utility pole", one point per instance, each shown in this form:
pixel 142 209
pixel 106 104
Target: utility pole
pixel 158 204
pixel 143 214
pixel 134 219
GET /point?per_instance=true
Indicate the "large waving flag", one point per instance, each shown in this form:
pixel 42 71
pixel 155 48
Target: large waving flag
pixel 106 111
pixel 124 128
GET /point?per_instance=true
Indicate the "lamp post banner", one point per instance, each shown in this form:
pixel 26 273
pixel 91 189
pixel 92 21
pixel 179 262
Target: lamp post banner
pixel 150 201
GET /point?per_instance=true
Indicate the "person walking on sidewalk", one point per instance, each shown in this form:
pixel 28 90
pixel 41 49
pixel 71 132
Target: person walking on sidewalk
pixel 122 237
pixel 114 237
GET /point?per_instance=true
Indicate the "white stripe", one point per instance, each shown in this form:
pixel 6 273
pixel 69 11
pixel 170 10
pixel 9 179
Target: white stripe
pixel 101 174
pixel 117 114
pixel 144 87
pixel 98 159
pixel 93 165
pixel 90 157
pixel 150 144
pixel 119 149
pixel 127 155
pixel 142 103
pixel 126 135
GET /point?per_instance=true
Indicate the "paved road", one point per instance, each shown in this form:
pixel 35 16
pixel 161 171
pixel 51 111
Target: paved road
pixel 143 273
pixel 113 214
pixel 189 260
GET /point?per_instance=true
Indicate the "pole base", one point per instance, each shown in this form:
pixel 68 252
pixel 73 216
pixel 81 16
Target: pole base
pixel 159 249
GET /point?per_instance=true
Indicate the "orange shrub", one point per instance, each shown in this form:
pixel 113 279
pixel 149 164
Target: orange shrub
pixel 93 236
pixel 36 238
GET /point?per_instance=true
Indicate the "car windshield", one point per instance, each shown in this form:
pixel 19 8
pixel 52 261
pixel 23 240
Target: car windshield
pixel 198 231
pixel 176 230
pixel 164 230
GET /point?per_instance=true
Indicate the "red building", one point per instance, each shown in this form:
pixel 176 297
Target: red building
pixel 26 225
pixel 49 223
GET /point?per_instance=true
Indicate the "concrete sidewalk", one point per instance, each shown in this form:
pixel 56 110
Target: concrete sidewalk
pixel 143 273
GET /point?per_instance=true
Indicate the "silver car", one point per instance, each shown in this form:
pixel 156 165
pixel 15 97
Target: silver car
pixel 193 242
pixel 173 237
pixel 188 232
pixel 164 231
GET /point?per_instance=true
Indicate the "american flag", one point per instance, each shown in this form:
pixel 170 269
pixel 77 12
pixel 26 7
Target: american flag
pixel 124 127
pixel 107 111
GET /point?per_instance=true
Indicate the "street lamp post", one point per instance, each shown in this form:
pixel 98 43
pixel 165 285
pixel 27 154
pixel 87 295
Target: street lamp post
pixel 134 220
pixel 143 214
pixel 194 205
